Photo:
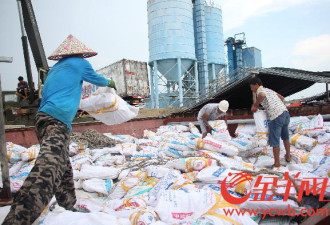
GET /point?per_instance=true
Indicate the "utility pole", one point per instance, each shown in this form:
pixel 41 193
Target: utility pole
pixel 5 194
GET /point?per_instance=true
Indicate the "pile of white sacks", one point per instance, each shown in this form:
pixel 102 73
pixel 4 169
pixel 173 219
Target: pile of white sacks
pixel 172 176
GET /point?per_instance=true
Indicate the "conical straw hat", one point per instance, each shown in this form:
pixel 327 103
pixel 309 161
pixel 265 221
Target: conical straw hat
pixel 72 46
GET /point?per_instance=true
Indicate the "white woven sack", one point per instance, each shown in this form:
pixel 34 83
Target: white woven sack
pixel 102 186
pixel 260 118
pixel 173 206
pixel 107 107
pixel 89 171
pixel 71 218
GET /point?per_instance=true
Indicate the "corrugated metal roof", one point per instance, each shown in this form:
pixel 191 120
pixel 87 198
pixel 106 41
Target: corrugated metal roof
pixel 285 81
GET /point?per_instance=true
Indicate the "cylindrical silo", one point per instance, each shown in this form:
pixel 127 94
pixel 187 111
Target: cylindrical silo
pixel 214 41
pixel 171 39
pixel 200 45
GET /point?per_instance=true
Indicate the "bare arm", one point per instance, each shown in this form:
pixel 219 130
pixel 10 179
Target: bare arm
pixel 204 118
pixel 260 98
pixel 280 96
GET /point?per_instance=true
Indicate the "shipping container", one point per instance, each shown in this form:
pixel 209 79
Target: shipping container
pixel 131 78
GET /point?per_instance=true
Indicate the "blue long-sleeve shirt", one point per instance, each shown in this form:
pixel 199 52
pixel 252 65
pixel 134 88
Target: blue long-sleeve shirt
pixel 62 90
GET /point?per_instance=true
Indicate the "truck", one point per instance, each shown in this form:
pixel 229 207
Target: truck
pixel 131 78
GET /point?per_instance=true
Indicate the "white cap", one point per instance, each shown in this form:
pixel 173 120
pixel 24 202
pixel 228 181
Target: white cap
pixel 223 105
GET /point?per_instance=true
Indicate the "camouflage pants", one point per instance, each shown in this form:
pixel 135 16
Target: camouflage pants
pixel 52 174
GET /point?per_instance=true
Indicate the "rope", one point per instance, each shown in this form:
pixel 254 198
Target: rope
pixel 92 139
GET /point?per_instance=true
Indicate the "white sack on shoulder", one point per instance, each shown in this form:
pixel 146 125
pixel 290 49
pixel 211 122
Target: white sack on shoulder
pixel 109 108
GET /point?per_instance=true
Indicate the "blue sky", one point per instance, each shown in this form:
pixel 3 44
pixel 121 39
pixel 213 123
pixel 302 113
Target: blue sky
pixel 289 33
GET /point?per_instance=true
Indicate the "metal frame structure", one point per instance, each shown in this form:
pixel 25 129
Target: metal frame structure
pixel 184 88
pixel 225 85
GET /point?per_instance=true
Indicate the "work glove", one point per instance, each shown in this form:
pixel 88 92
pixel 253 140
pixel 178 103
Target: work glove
pixel 112 84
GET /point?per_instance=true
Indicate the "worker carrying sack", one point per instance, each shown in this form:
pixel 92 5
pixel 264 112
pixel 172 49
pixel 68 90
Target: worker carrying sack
pixel 106 106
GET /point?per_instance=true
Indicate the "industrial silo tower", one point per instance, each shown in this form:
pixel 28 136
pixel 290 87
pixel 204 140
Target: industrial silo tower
pixel 214 41
pixel 240 56
pixel 186 49
pixel 171 49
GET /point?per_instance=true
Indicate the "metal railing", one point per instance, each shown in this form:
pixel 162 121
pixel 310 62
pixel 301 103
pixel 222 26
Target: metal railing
pixel 223 81
pixel 226 81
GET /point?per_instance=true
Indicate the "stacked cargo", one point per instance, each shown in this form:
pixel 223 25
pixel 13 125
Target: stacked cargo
pixel 172 176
